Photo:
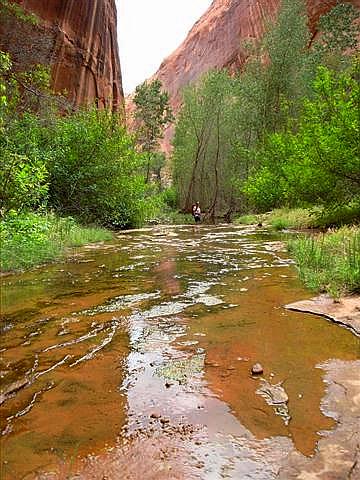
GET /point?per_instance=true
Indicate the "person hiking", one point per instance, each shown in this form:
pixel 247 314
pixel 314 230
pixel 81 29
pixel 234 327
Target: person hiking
pixel 196 211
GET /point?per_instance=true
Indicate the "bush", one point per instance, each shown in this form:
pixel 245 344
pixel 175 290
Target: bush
pixel 318 162
pixel 23 172
pixel 94 171
pixel 22 182
pixel 248 219
pixel 169 197
pixel 291 218
pixel 29 239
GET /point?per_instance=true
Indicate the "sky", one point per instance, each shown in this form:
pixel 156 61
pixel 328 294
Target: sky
pixel 149 30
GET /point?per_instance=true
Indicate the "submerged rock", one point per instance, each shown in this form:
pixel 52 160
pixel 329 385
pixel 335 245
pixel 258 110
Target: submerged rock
pixel 182 370
pixel 276 397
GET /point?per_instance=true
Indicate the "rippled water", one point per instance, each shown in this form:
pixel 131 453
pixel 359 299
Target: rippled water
pixel 152 337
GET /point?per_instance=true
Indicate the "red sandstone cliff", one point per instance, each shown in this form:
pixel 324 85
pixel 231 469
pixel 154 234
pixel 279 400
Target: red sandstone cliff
pixel 78 38
pixel 215 40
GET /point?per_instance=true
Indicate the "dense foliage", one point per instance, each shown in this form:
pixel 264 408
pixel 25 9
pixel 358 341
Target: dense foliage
pixel 94 170
pixel 82 164
pixel 318 163
pixel 285 132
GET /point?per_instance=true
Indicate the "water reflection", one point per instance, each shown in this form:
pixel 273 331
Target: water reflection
pixel 156 334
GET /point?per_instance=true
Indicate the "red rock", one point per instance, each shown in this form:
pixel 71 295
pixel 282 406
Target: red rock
pixel 78 39
pixel 215 41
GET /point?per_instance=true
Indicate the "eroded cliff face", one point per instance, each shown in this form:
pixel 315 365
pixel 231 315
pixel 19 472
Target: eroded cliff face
pixel 78 39
pixel 216 39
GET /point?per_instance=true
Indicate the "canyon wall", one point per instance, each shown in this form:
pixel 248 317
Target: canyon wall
pixel 78 39
pixel 216 40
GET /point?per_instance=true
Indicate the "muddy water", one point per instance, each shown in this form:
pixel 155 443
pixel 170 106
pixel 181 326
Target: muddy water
pixel 134 358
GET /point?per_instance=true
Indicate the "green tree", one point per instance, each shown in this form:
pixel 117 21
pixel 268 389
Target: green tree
pixel 203 167
pixel 224 121
pixel 319 163
pixel 338 32
pixel 95 172
pixel 23 173
pixel 152 115
pixel 284 77
pixel 5 66
pixel 10 9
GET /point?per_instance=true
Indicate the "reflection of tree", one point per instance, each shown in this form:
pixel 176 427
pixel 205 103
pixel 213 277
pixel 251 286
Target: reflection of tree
pixel 165 273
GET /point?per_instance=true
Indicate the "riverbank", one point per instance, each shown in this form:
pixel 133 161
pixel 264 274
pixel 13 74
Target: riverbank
pixel 30 239
pixel 327 261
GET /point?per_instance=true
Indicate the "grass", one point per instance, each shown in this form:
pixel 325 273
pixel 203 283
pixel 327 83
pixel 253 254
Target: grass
pixel 281 219
pixel 31 239
pixel 329 262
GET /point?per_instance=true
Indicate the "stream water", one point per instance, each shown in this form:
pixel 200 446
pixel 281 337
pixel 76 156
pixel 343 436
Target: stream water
pixel 133 360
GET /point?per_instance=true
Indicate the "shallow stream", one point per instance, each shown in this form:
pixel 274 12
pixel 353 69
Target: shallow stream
pixel 134 357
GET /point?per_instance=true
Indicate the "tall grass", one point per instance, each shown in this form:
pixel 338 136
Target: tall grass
pixel 283 218
pixel 31 239
pixel 329 262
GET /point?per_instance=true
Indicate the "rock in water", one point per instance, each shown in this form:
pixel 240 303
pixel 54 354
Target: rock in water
pixel 257 369
pixel 276 397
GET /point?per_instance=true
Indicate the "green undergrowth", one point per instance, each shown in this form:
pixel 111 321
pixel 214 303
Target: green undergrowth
pixel 248 219
pixel 30 239
pixel 329 262
pixel 283 218
pixel 303 218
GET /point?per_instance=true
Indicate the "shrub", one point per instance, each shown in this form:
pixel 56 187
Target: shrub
pixel 248 219
pixel 169 197
pixel 94 171
pixel 29 239
pixel 291 218
pixel 22 181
